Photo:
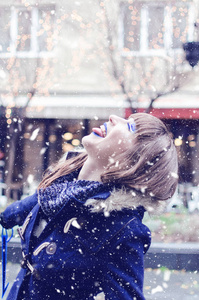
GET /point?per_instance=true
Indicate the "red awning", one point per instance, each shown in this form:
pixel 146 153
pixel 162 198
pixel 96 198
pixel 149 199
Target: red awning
pixel 169 113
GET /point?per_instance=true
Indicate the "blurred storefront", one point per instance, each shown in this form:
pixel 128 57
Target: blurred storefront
pixel 52 127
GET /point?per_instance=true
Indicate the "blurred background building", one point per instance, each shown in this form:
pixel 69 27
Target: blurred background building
pixel 65 66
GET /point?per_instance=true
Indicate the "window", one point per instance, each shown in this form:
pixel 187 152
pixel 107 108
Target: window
pixel 4 29
pixel 26 31
pixel 149 27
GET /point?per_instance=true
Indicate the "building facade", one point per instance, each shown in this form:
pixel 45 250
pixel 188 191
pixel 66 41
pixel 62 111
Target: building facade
pixel 66 65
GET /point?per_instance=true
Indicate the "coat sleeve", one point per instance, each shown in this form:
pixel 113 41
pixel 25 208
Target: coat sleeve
pixel 125 264
pixel 16 213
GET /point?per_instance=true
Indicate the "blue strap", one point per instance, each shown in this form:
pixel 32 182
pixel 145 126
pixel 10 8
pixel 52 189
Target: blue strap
pixel 5 240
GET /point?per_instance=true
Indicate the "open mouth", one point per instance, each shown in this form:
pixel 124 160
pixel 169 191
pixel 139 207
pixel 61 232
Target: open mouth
pixel 101 132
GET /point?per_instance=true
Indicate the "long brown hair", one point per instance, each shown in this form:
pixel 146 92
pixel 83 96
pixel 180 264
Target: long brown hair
pixel 63 167
pixel 150 166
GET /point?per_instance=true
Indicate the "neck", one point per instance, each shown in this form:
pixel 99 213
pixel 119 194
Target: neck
pixel 91 170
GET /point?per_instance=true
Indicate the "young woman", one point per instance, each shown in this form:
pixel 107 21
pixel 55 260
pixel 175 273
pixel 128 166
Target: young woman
pixel 83 231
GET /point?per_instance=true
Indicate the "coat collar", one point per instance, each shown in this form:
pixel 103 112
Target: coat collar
pixel 123 199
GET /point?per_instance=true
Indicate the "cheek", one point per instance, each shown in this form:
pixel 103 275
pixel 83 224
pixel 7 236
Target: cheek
pixel 122 145
pixel 118 145
pixel 122 140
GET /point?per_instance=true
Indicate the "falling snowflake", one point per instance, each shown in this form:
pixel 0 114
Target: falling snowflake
pixel 174 175
pixel 43 150
pixel 156 290
pixel 34 134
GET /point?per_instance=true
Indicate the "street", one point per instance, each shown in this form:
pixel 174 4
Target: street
pixel 171 285
pixel 159 284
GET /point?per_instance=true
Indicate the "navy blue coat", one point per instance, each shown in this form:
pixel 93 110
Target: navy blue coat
pixel 79 254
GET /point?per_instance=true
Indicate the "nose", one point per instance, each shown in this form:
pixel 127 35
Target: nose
pixel 115 119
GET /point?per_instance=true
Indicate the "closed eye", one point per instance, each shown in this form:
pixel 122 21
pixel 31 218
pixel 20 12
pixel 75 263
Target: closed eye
pixel 131 127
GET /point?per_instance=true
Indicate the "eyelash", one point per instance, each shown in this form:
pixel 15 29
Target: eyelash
pixel 131 127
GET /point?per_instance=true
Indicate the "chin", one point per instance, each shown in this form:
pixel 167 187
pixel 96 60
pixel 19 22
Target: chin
pixel 89 142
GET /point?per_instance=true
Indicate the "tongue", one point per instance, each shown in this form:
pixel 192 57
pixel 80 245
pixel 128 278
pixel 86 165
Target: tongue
pixel 97 131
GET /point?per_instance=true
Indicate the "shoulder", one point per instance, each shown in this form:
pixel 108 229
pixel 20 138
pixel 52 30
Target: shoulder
pixel 16 212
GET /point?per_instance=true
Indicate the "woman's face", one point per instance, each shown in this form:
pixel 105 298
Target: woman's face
pixel 111 139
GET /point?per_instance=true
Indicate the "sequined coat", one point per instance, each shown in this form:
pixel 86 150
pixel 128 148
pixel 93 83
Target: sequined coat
pixel 80 252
